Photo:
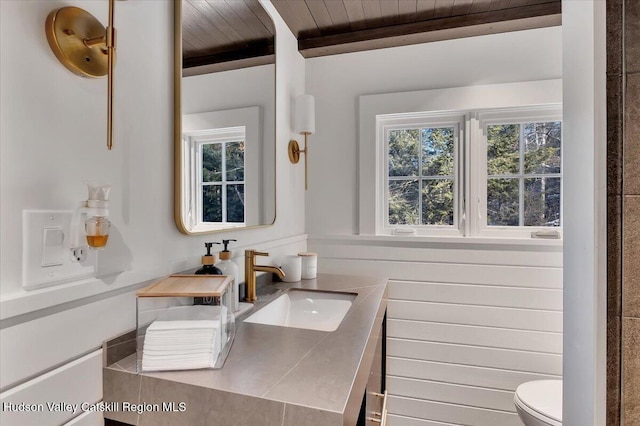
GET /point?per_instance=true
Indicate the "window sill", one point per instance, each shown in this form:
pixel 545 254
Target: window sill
pixel 486 243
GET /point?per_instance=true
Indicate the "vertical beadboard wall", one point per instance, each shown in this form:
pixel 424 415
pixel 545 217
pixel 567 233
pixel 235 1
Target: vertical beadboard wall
pixel 467 323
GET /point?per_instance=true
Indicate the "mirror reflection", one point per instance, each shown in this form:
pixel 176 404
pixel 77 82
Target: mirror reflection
pixel 225 117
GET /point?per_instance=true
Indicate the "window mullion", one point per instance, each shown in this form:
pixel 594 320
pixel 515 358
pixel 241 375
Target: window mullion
pixel 460 181
pixel 471 174
pixel 420 221
pixel 200 186
pixel 521 178
pixel 223 180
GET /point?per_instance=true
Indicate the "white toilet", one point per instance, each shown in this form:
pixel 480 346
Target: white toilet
pixel 539 403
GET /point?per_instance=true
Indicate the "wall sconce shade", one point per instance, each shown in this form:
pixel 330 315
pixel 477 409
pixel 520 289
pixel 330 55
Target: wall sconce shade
pixel 304 122
pixel 305 114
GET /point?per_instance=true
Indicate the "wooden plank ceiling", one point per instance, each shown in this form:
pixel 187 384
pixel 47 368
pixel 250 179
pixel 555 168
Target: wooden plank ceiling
pixel 229 34
pixel 237 33
pixel 325 27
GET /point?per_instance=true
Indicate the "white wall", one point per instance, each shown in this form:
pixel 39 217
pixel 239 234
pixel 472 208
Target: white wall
pixel 53 139
pixel 584 93
pixel 468 320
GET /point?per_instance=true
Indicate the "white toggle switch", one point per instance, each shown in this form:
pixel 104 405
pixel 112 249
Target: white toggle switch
pixel 52 246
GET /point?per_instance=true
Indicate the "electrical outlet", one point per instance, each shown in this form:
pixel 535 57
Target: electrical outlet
pixel 79 254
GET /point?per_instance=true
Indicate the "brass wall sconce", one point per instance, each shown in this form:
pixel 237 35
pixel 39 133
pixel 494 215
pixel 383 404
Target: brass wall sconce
pixel 85 47
pixel 305 124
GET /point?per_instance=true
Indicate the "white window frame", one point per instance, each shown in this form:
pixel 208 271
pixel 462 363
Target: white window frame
pixel 201 124
pixel 194 142
pixel 470 169
pixel 388 122
pixel 452 100
pixel 479 122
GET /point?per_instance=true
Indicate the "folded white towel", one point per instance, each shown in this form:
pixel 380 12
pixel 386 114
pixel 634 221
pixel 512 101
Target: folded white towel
pixel 181 345
pixel 183 325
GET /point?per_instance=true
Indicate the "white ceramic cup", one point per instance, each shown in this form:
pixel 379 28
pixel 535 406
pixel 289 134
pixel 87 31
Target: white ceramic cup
pixel 292 267
pixel 309 265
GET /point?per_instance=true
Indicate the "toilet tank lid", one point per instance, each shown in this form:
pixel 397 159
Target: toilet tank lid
pixel 543 396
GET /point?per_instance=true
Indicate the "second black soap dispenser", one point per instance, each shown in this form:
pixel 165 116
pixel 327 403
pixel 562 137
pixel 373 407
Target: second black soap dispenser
pixel 208 262
pixel 208 268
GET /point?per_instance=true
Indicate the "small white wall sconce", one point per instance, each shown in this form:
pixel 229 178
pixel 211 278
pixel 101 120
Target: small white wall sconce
pixel 305 124
pixel 85 47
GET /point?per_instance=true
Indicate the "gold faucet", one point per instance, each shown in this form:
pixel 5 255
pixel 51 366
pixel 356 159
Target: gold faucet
pixel 250 269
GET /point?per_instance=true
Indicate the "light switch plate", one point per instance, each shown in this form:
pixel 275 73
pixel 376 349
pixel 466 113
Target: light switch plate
pixel 46 258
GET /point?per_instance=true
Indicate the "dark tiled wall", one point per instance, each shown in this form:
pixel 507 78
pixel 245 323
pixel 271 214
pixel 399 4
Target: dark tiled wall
pixel 623 202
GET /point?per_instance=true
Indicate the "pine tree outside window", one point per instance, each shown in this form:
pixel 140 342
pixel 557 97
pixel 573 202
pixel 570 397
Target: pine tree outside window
pixel 472 173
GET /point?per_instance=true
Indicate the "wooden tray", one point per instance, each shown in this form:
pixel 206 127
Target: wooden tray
pixel 187 286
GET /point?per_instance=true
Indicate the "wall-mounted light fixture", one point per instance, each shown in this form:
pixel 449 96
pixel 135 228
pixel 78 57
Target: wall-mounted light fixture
pixel 305 124
pixel 85 47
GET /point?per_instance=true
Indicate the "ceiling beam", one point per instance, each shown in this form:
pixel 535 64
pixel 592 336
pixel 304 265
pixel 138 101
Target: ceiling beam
pixel 491 22
pixel 258 51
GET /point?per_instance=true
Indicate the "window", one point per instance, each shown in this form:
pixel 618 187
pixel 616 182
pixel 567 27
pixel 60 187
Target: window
pixel 471 173
pixel 219 157
pixel 421 162
pixel 222 181
pixel 523 174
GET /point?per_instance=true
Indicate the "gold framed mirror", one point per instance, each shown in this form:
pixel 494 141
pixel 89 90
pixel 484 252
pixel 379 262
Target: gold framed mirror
pixel 224 116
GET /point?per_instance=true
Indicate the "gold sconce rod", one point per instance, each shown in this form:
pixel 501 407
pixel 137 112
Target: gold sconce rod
pixel 111 50
pixel 85 47
pixel 304 123
pixel 294 156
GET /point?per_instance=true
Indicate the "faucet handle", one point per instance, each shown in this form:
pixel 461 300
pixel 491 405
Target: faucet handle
pixel 252 253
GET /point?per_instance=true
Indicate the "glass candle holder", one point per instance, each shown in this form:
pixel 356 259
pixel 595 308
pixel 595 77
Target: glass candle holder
pixel 97 230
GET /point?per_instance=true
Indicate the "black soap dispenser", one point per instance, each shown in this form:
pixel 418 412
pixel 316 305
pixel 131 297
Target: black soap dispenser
pixel 208 262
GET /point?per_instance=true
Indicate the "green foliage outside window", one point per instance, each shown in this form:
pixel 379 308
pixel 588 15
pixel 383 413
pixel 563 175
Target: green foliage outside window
pixel 421 153
pixel 523 175
pixel 219 183
pixel 518 158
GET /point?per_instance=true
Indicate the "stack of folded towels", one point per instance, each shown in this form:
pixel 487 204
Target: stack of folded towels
pixel 181 345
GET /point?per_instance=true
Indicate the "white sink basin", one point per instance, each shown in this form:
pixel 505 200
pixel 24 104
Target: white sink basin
pixel 314 310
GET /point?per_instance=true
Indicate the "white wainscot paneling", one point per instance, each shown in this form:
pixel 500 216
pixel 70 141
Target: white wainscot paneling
pixel 490 316
pixel 449 413
pixel 410 250
pixel 503 338
pixel 77 382
pixel 467 324
pixel 35 346
pixel 473 294
pixel 445 392
pixel 534 362
pixel 395 420
pixel 494 378
pixel 509 276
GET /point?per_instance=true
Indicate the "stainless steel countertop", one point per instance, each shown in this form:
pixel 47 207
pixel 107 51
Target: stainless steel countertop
pixel 317 370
